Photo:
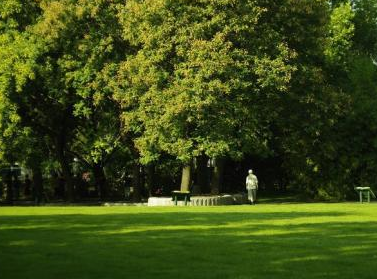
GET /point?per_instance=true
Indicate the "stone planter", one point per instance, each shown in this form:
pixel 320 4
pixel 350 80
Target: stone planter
pixel 201 200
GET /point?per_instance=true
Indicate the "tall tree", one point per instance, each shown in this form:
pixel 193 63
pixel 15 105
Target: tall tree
pixel 63 58
pixel 198 67
pixel 18 143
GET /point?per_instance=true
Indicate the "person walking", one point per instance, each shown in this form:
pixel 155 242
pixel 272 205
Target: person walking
pixel 252 187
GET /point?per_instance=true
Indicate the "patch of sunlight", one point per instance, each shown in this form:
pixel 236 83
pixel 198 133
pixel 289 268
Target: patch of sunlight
pixel 300 259
pixel 262 232
pixel 239 229
pixel 357 248
pixel 130 230
pixel 250 227
pixel 21 243
pixel 305 220
pixel 357 236
pixel 352 248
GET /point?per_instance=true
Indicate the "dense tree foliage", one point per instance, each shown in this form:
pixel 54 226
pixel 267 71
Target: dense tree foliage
pixel 102 94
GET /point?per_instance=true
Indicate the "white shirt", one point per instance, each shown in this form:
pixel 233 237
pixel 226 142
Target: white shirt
pixel 251 182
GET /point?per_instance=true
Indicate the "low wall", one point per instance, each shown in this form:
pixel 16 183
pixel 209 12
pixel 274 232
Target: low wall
pixel 201 200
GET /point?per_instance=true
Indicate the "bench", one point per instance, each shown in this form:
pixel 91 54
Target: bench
pixel 180 196
pixel 365 192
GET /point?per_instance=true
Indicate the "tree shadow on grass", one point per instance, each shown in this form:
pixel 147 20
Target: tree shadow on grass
pixel 188 245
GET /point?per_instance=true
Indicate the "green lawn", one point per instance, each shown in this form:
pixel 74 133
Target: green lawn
pixel 263 241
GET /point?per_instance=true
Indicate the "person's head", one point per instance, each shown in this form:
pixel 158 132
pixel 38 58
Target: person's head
pixel 250 171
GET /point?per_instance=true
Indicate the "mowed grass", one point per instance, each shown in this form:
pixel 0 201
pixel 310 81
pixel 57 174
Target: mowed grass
pixel 263 241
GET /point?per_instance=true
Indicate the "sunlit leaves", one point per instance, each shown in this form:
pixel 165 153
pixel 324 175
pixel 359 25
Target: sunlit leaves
pixel 341 31
pixel 189 87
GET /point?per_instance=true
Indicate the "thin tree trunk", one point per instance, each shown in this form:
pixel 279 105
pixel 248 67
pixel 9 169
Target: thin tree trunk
pixel 186 178
pixel 101 181
pixel 142 180
pixel 217 176
pixel 201 175
pixel 9 189
pixel 37 184
pixel 67 175
pixel 66 169
pixel 136 196
pixel 136 180
pixel 150 179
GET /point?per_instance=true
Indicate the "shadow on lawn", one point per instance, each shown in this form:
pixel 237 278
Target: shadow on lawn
pixel 188 245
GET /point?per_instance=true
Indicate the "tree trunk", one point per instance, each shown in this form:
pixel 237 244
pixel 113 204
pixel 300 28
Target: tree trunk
pixel 9 189
pixel 201 175
pixel 67 175
pixel 142 181
pixel 150 179
pixel 136 196
pixel 101 181
pixel 66 169
pixel 186 178
pixel 136 180
pixel 217 176
pixel 37 184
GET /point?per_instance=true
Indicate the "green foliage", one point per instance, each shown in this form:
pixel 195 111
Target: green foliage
pixel 17 63
pixel 53 75
pixel 366 26
pixel 341 32
pixel 345 157
pixel 191 85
